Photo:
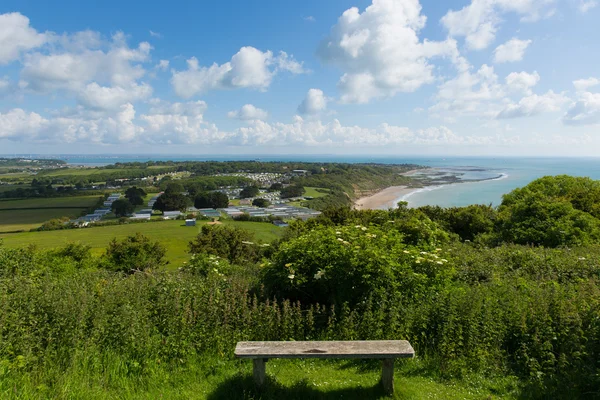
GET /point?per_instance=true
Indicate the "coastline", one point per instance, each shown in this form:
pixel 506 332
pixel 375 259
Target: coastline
pixel 390 196
pixel 384 199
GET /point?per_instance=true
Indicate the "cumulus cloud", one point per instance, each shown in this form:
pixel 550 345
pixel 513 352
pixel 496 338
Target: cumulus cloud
pixel 95 96
pixel 380 52
pixel 586 5
pixel 248 112
pixel 470 94
pixel 511 51
pixel 314 102
pixel 522 81
pixel 478 22
pixel 248 68
pixel 16 37
pixel 162 65
pixel 534 105
pixel 585 111
pixel 582 85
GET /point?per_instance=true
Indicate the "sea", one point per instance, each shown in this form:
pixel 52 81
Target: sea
pixel 484 179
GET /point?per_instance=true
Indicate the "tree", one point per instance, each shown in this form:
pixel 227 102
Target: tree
pixel 135 195
pixel 261 203
pixel 174 187
pixel 122 207
pixel 211 200
pixel 170 201
pixel 292 191
pixel 134 253
pixel 232 243
pixel 249 191
pixel 276 186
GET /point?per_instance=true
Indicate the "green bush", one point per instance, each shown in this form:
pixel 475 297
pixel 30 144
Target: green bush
pixel 133 254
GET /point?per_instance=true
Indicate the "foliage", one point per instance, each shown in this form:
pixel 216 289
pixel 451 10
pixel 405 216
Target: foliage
pixel 135 195
pixel 211 200
pixel 122 207
pixel 467 222
pixel 171 201
pixel 292 191
pixel 249 191
pixel 261 203
pixel 134 253
pixel 231 243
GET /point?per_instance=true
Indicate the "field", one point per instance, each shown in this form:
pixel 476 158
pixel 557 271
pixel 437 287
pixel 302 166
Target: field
pixel 174 235
pixel 28 214
pixel 312 192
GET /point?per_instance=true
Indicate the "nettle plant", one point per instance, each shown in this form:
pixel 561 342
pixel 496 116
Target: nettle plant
pixel 347 264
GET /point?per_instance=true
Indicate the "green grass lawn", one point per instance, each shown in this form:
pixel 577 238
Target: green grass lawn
pixel 312 192
pixel 174 235
pixel 218 379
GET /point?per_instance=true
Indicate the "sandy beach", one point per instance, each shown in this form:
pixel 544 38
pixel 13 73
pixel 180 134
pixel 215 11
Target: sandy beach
pixel 383 200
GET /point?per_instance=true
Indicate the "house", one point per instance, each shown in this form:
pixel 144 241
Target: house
pixel 171 214
pixel 141 216
pixel 280 224
pixel 190 222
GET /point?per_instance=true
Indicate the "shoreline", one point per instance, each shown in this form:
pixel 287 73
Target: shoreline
pixel 390 196
pixel 384 199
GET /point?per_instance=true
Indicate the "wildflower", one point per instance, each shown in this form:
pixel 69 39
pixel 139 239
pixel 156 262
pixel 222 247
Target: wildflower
pixel 581 258
pixel 423 252
pixel 364 228
pixel 288 265
pixel 444 260
pixel 319 274
pixel 418 262
pixel 438 249
pixel 245 242
pixel 439 262
pixel 357 226
pixel 338 232
pixel 291 276
pixel 340 239
pixel 406 252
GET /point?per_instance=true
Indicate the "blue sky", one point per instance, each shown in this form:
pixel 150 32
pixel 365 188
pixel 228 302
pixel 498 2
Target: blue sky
pixel 479 77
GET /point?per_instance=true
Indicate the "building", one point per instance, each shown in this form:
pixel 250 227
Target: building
pixel 190 222
pixel 171 214
pixel 141 216
pixel 280 224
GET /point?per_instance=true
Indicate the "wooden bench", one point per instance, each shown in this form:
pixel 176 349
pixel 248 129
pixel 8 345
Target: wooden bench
pixel 387 350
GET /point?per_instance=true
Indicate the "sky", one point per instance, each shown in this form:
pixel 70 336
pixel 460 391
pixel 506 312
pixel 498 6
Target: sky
pixel 405 77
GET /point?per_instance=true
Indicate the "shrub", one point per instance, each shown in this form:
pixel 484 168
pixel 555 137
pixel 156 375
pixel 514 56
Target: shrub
pixel 133 254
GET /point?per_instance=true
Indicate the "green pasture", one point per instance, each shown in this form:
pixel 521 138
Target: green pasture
pixel 312 192
pixel 52 202
pixel 174 235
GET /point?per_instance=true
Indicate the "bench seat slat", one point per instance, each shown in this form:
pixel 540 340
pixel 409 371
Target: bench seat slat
pixel 326 349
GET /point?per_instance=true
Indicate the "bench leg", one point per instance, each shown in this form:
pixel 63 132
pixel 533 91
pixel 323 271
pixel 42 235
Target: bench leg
pixel 259 371
pixel 387 375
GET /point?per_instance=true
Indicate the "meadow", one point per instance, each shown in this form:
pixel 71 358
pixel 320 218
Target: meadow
pixel 174 235
pixel 26 214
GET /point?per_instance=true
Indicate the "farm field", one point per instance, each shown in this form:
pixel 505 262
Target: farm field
pixel 174 235
pixel 16 215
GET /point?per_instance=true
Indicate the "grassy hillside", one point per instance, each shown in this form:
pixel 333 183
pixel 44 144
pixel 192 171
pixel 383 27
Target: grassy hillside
pixel 174 235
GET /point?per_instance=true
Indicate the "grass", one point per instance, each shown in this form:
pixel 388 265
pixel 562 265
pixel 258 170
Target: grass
pixel 26 214
pixel 174 235
pixel 53 202
pixel 312 192
pixel 216 378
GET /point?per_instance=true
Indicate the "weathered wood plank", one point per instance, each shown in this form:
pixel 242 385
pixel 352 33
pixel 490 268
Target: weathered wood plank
pixel 326 349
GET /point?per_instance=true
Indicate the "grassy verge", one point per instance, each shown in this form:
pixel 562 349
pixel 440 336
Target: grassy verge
pixel 174 235
pixel 217 378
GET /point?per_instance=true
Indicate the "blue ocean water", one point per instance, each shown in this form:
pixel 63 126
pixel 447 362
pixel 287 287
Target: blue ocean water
pixel 514 171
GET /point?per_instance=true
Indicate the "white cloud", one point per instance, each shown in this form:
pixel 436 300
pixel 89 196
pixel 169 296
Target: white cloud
pixel 380 52
pixel 582 85
pixel 310 18
pixel 248 68
pixel 511 51
pixel 522 81
pixel 585 111
pixel 107 98
pixel 534 105
pixel 470 94
pixel 586 5
pixel 248 112
pixel 314 102
pixel 16 37
pixel 162 65
pixel 478 22
pixel 155 34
